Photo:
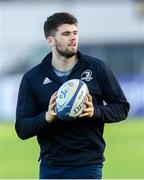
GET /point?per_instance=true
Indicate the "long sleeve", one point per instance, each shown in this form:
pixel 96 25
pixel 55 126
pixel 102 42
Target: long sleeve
pixel 29 120
pixel 116 107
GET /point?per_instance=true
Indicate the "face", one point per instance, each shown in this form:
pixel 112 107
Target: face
pixel 65 41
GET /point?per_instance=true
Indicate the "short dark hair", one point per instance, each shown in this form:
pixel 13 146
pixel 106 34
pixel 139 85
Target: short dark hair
pixel 56 20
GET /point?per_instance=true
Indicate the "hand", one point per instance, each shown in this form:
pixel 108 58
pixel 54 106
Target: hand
pixel 50 114
pixel 89 110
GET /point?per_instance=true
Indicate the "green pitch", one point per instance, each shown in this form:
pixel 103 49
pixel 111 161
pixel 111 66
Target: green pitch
pixel 124 152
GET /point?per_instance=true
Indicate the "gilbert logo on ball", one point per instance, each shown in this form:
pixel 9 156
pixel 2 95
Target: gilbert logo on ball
pixel 72 96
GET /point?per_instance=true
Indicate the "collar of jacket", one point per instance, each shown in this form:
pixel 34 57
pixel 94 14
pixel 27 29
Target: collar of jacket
pixel 81 59
pixel 83 62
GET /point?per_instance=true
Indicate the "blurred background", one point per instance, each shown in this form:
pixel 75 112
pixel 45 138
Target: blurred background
pixel 111 30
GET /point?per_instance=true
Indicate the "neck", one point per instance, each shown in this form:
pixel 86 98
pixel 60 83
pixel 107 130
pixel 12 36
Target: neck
pixel 63 63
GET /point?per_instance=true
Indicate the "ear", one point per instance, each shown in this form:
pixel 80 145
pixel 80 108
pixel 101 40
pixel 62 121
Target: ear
pixel 50 40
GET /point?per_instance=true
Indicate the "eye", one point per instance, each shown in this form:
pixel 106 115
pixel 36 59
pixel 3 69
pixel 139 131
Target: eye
pixel 65 33
pixel 75 32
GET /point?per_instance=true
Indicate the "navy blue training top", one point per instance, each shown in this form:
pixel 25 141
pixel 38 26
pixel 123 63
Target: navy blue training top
pixel 77 142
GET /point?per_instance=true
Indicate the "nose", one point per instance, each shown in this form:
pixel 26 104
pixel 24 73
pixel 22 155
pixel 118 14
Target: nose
pixel 73 36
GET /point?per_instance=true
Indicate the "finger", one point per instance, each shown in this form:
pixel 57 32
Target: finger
pixel 53 98
pixel 87 110
pixel 54 95
pixel 84 114
pixel 52 106
pixel 89 97
pixel 53 113
pixel 88 103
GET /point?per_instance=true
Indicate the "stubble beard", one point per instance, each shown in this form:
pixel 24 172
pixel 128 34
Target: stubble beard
pixel 66 53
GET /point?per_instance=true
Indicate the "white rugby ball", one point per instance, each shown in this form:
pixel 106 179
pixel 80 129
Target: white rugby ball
pixel 72 96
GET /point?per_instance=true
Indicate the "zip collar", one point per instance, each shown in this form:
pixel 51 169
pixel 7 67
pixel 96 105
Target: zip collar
pixel 47 60
pixel 82 61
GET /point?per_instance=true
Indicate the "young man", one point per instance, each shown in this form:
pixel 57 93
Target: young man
pixel 69 149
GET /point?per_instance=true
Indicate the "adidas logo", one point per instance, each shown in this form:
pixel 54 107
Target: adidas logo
pixel 46 81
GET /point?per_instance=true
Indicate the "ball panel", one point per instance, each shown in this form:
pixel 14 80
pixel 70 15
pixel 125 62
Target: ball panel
pixel 65 93
pixel 80 101
pixel 71 99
